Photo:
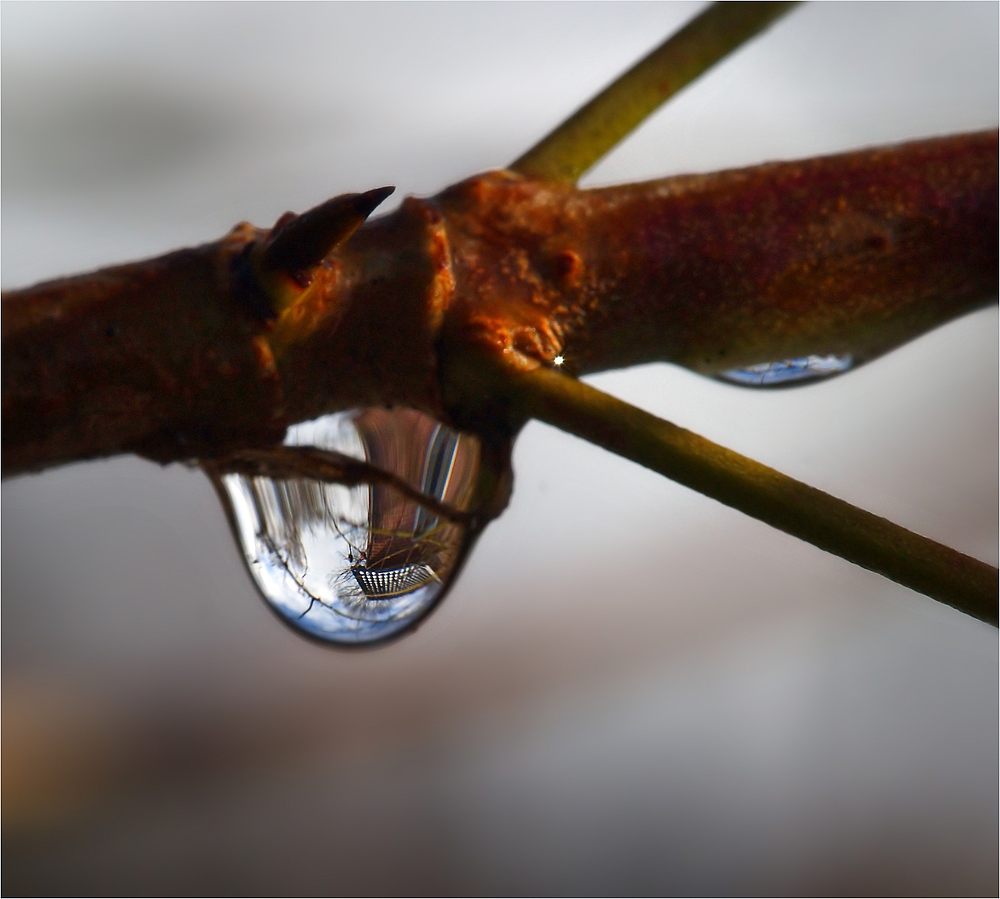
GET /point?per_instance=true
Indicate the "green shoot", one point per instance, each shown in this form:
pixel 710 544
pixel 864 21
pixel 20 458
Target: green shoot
pixel 761 492
pixel 580 141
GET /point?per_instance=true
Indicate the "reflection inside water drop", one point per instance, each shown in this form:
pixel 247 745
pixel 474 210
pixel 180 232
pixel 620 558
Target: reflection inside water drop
pixel 358 564
pixel 788 371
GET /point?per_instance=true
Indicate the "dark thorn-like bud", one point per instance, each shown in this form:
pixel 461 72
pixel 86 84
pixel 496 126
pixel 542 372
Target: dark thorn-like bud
pixel 300 242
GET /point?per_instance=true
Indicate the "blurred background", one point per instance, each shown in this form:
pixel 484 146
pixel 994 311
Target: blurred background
pixel 632 689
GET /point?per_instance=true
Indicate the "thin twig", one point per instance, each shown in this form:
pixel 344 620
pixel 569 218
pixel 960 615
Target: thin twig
pixel 789 505
pixel 566 153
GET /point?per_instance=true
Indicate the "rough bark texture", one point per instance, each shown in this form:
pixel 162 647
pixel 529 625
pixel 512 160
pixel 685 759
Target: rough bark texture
pixel 158 358
pixel 845 254
pixel 174 358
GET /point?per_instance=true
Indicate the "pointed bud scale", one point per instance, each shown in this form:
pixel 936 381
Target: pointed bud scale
pixel 300 242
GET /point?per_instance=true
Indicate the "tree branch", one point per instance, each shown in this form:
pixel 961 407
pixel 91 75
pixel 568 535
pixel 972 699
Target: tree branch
pixel 456 306
pixel 761 492
pixel 579 142
pixel 854 253
pixel 174 358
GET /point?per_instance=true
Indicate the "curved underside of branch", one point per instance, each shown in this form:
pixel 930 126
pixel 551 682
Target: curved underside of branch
pixel 183 358
pixel 173 358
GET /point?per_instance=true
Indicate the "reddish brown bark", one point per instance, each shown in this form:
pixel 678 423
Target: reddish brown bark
pixel 149 358
pixel 853 253
pixel 173 358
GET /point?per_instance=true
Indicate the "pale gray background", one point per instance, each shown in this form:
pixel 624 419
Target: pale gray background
pixel 633 689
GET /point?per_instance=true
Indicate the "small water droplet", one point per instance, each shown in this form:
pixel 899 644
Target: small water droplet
pixel 359 564
pixel 788 371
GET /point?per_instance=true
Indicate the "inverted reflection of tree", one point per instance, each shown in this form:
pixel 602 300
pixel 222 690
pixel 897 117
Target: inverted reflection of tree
pixel 399 550
pixel 287 507
pixel 280 505
pixel 365 551
pixel 279 532
pixel 283 562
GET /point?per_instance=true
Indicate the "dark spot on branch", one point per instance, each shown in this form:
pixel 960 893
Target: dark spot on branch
pixel 246 289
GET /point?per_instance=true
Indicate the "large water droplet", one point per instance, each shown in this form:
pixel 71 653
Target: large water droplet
pixel 788 371
pixel 358 564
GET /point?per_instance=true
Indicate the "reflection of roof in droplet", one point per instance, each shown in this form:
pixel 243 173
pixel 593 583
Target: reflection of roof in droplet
pixel 768 374
pixel 393 582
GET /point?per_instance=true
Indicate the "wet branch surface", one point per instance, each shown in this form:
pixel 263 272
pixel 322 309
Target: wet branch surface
pixel 177 359
pixel 460 305
pixel 174 359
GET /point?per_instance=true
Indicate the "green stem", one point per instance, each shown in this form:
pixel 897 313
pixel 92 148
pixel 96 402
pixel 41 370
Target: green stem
pixel 566 153
pixel 789 505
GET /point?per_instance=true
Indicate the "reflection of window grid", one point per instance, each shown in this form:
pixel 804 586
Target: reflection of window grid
pixel 378 573
pixel 395 582
pixel 352 563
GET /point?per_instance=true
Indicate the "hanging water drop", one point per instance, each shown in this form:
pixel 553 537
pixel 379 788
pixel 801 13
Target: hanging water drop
pixel 788 371
pixel 358 564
